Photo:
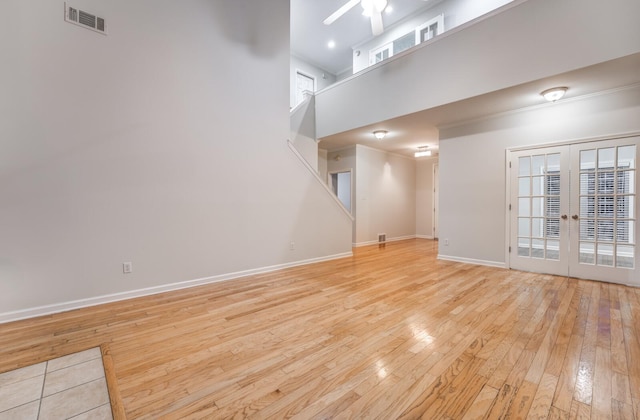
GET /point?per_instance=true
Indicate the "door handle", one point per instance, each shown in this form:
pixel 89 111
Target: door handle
pixel 564 217
pixel 574 217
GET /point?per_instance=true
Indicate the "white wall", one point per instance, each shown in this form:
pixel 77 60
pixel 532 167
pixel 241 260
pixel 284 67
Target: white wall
pixel 472 164
pixel 505 50
pixel 163 144
pixel 323 78
pixel 344 188
pixel 322 164
pixel 392 194
pixel 456 12
pixel 424 197
pixel 385 195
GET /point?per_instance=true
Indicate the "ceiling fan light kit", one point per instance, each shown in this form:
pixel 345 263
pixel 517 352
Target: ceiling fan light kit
pixel 371 8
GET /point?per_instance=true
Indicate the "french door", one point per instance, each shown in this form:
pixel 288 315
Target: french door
pixel 573 210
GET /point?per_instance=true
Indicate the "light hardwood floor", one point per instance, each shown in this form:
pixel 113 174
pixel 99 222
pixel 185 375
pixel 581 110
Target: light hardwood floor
pixel 390 333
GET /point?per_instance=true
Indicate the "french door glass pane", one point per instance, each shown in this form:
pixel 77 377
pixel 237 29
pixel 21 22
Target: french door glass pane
pixel 537 206
pixel 524 165
pixel 587 160
pixel 606 157
pixel 625 256
pixel 537 248
pixel 587 253
pixel 587 206
pixel 524 247
pixel 605 254
pixel 523 207
pixel 553 250
pixel 537 228
pixel 537 185
pixel 524 187
pixel 537 165
pixel 523 227
pixel 627 157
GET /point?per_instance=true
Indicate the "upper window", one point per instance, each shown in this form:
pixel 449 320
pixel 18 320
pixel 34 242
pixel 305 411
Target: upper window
pixel 430 29
pixel 422 33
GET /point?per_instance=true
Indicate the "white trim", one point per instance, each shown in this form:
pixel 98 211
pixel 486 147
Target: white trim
pixel 435 199
pixel 310 76
pixel 299 105
pixel 580 140
pixel 364 146
pixel 440 28
pixel 507 203
pixel 375 51
pixel 424 237
pixel 542 105
pixel 472 261
pixel 398 238
pixel 115 297
pixel 317 177
pixel 351 186
pixel 450 32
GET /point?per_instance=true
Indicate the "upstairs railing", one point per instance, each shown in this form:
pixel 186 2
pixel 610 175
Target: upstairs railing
pixel 521 42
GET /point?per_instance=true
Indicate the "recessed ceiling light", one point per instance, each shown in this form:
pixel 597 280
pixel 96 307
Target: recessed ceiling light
pixel 388 10
pixel 331 44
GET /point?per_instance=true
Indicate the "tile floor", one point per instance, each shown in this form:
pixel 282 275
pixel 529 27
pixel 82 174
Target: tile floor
pixel 70 387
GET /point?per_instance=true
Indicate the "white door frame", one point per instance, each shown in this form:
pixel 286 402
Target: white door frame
pixel 310 76
pixel 330 184
pixel 508 185
pixel 436 203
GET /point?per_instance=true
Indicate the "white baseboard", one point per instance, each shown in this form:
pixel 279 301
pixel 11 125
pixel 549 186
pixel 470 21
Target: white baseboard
pixel 398 238
pixel 424 237
pixel 115 297
pixel 472 261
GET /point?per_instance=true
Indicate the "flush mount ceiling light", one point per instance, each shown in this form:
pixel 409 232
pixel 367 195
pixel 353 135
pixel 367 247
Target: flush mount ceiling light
pixel 554 94
pixel 422 151
pixel 380 134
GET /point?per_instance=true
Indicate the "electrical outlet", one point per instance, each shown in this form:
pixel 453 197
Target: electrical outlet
pixel 292 246
pixel 446 242
pixel 127 267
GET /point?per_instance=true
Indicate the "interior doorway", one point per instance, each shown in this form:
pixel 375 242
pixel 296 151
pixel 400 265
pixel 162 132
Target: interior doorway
pixel 340 184
pixel 304 83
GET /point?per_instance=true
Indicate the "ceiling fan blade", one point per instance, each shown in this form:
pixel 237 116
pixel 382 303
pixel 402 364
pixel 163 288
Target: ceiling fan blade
pixel 376 24
pixel 341 11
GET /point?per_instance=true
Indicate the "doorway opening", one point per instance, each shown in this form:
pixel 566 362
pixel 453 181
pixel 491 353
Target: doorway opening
pixel 340 184
pixel 305 84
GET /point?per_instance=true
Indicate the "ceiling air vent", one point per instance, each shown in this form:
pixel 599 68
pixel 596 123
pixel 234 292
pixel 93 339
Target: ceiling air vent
pixel 84 19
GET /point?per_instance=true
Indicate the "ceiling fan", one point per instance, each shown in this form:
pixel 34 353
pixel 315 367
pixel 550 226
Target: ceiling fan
pixel 372 8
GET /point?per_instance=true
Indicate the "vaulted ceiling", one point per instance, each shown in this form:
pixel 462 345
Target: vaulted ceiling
pixel 310 37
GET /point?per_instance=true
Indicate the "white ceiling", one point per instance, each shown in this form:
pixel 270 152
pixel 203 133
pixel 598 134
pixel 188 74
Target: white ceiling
pixel 406 133
pixel 309 36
